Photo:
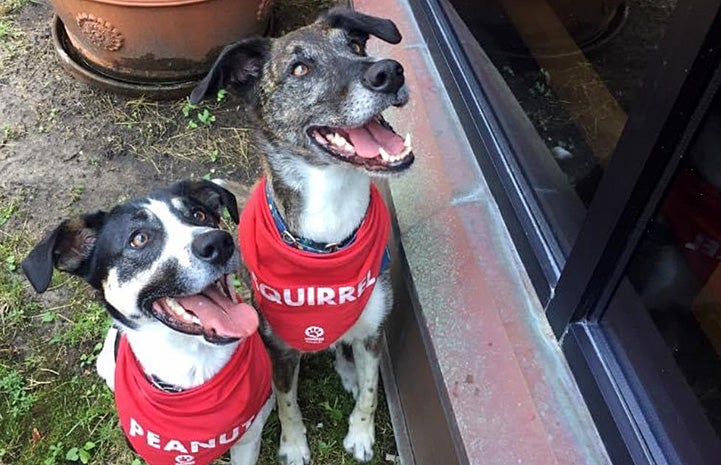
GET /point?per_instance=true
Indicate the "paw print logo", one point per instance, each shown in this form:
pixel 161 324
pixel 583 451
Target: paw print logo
pixel 184 460
pixel 314 334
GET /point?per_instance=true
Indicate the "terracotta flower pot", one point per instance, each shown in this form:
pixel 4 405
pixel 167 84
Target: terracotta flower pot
pixel 154 41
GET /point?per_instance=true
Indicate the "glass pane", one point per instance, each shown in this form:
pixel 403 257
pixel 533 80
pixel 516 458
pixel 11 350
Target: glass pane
pixel 676 271
pixel 574 66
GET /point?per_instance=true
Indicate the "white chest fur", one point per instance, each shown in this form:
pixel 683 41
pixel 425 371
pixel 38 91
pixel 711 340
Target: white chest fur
pixel 178 359
pixel 334 202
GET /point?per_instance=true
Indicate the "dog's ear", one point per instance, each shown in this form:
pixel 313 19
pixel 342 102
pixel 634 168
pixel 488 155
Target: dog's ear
pixel 210 194
pixel 67 248
pixel 238 67
pixel 361 24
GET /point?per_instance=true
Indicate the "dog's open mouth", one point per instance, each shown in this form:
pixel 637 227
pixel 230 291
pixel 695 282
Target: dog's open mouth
pixel 216 313
pixel 374 145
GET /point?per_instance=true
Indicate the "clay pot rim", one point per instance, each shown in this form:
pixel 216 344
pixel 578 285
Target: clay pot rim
pixel 149 3
pixel 82 72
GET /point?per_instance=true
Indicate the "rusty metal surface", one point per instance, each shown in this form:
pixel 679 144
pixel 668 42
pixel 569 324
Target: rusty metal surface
pixel 498 377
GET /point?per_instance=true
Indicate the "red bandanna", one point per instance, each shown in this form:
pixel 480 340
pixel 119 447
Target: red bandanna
pixel 311 299
pixel 693 212
pixel 196 426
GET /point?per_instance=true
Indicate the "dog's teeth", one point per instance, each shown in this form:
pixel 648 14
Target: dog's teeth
pixel 407 141
pixel 318 137
pixel 175 307
pixel 384 155
pixel 340 140
pixel 180 313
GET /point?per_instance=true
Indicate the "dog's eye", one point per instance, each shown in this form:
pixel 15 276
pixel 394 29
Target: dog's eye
pixel 357 47
pixel 300 70
pixel 200 216
pixel 139 240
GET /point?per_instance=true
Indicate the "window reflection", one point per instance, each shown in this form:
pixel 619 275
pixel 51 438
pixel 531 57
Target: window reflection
pixel 574 66
pixel 676 267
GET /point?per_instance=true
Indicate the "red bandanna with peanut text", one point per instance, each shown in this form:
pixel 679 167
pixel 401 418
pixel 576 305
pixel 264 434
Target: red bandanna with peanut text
pixel 198 425
pixel 311 299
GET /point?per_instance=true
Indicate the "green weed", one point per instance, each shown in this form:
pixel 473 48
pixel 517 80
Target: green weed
pixel 11 6
pixel 15 393
pixel 80 454
pixel 76 192
pixel 206 117
pixel 55 451
pixel 198 115
pixel 7 209
pixel 11 132
pixel 8 30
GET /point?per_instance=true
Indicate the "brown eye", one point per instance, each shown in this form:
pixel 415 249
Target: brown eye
pixel 357 48
pixel 300 70
pixel 199 215
pixel 139 240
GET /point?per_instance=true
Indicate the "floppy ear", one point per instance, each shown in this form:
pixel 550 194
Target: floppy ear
pixel 358 23
pixel 238 66
pixel 67 248
pixel 210 194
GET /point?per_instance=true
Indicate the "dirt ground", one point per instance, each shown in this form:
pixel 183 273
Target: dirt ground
pixel 66 148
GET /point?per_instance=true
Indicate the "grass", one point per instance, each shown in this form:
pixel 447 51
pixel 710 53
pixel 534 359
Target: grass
pixel 209 132
pixel 9 32
pixel 50 401
pixel 326 406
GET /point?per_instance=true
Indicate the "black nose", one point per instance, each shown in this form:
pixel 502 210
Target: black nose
pixel 215 247
pixel 384 76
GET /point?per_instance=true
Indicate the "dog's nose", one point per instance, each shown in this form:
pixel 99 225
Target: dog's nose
pixel 215 247
pixel 384 76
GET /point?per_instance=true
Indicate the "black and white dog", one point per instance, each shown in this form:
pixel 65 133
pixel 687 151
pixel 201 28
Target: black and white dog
pixel 314 231
pixel 190 373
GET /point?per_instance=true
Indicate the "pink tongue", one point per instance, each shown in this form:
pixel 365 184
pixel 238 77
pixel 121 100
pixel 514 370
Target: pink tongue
pixel 368 138
pixel 217 312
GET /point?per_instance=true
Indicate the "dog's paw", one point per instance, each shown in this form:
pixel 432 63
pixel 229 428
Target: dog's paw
pixel 359 443
pixel 294 451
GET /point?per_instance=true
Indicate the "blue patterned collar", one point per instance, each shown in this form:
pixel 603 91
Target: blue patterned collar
pixel 298 242
pixel 308 245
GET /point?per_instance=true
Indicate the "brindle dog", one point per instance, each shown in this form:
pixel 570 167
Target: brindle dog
pixel 316 98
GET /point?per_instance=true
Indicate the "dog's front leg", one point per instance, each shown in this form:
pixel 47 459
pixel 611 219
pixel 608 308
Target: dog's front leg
pixel 361 424
pixel 105 363
pixel 293 443
pixel 247 450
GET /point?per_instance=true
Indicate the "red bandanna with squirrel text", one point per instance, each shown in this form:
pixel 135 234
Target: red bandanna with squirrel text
pixel 196 426
pixel 311 299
